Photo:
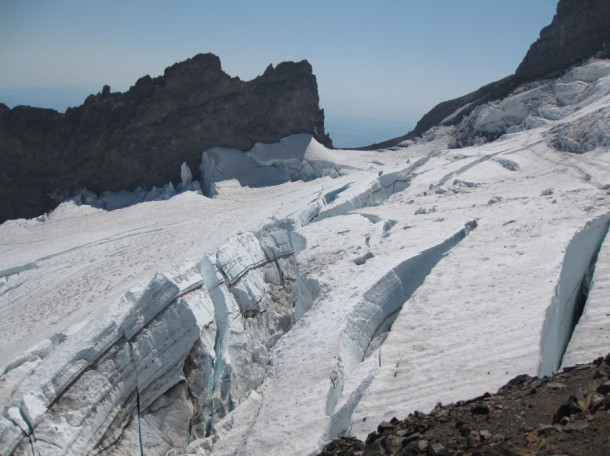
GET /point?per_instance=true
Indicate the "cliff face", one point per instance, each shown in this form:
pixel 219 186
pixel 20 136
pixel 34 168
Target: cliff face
pixel 580 29
pixel 140 138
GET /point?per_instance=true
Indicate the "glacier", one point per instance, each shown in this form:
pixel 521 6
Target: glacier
pixel 314 292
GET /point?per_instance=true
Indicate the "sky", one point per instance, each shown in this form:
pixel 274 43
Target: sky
pixel 381 64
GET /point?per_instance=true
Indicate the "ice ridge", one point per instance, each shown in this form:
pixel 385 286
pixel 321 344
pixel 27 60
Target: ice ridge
pixel 192 334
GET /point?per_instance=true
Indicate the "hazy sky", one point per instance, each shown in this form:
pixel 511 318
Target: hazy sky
pixel 383 60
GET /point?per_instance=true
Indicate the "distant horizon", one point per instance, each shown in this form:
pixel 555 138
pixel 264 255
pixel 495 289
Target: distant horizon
pixel 345 131
pixel 392 62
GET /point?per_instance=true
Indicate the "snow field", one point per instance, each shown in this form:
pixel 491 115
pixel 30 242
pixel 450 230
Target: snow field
pixel 308 309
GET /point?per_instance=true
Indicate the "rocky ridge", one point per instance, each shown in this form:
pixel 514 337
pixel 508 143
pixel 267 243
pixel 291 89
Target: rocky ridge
pixel 140 138
pixel 579 30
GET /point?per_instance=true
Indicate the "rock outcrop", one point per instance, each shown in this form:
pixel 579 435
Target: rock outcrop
pixel 579 30
pixel 141 137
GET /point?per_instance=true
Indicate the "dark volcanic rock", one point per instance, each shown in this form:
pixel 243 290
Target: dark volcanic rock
pixel 140 138
pixel 580 29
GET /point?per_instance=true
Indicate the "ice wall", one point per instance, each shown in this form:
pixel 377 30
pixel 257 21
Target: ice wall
pixel 591 335
pixel 563 312
pixel 293 158
pixel 168 361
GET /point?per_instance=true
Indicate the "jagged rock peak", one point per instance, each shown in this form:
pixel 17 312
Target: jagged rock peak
pixel 141 137
pixel 580 29
pixel 209 63
pixel 287 68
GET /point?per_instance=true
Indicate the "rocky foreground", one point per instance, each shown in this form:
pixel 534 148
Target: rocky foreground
pixel 567 413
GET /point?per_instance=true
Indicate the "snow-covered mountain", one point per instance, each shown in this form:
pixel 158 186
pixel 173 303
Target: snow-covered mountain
pixel 361 286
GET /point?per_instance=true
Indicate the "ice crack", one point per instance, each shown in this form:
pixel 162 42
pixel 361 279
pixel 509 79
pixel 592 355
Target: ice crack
pixel 371 320
pixel 570 293
pixel 374 314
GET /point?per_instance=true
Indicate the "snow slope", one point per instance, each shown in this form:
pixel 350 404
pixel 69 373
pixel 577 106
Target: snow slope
pixel 386 282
